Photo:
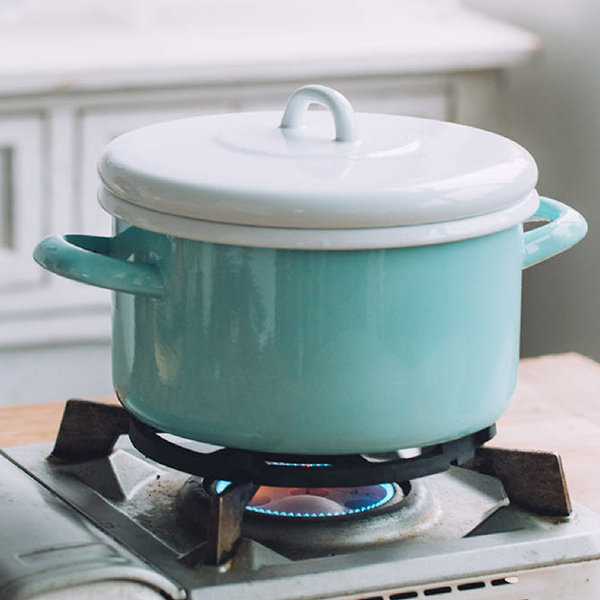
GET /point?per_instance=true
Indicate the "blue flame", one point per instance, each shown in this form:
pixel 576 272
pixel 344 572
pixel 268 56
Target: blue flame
pixel 364 504
pixel 221 486
pixel 388 488
pixel 292 464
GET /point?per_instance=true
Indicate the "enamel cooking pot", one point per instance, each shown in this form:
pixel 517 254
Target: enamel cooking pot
pixel 317 282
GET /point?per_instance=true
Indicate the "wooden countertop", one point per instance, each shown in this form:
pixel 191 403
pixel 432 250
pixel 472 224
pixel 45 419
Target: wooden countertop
pixel 556 408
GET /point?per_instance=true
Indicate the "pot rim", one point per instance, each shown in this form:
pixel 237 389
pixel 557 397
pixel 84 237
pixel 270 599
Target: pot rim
pixel 319 239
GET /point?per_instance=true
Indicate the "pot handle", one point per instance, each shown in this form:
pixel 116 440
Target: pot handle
pixel 86 258
pixel 565 228
pixel 341 110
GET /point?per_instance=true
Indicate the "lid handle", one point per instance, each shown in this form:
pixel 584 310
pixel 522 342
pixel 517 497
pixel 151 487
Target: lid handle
pixel 341 110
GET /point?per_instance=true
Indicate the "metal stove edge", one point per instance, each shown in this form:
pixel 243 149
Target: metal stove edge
pixel 572 541
pixel 46 546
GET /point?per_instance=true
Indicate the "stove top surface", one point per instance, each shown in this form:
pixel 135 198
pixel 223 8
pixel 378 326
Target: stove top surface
pixel 91 519
pixel 123 519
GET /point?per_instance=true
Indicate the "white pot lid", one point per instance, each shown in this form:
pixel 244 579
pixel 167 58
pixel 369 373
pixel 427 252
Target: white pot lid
pixel 314 171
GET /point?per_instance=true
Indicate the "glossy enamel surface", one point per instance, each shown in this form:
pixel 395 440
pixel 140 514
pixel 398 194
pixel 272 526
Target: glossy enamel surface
pixel 321 238
pixel 565 228
pixel 88 259
pixel 321 352
pixel 317 352
pixel 316 169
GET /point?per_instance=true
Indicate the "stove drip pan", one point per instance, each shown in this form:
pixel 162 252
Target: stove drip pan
pixel 414 510
pixel 302 523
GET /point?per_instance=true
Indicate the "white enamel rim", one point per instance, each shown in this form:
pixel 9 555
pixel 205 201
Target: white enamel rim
pixel 319 239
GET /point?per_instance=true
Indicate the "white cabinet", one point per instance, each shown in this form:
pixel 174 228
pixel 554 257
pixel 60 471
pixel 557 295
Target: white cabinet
pixel 22 205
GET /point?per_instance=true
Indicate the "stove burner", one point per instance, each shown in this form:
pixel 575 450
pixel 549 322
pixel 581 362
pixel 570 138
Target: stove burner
pixel 288 520
pixel 88 432
pixel 316 503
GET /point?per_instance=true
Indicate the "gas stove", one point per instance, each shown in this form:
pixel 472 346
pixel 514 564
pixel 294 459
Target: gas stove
pixel 147 516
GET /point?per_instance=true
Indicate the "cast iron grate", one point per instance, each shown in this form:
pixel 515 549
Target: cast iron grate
pixel 260 468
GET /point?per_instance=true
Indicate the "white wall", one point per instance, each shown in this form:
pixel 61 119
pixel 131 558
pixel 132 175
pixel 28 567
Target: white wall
pixel 553 109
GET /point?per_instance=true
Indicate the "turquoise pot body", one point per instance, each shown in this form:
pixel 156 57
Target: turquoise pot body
pixel 319 351
pixel 310 352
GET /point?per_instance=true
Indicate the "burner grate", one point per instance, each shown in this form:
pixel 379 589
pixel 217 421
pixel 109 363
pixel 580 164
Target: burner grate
pixel 280 470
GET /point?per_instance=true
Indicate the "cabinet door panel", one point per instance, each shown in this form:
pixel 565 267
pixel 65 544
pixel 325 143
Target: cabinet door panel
pixel 21 204
pixel 429 99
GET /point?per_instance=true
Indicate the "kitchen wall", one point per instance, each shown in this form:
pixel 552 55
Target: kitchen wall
pixel 553 109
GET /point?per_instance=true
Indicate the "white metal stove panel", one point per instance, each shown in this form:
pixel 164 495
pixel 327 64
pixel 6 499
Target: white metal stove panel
pixel 576 581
